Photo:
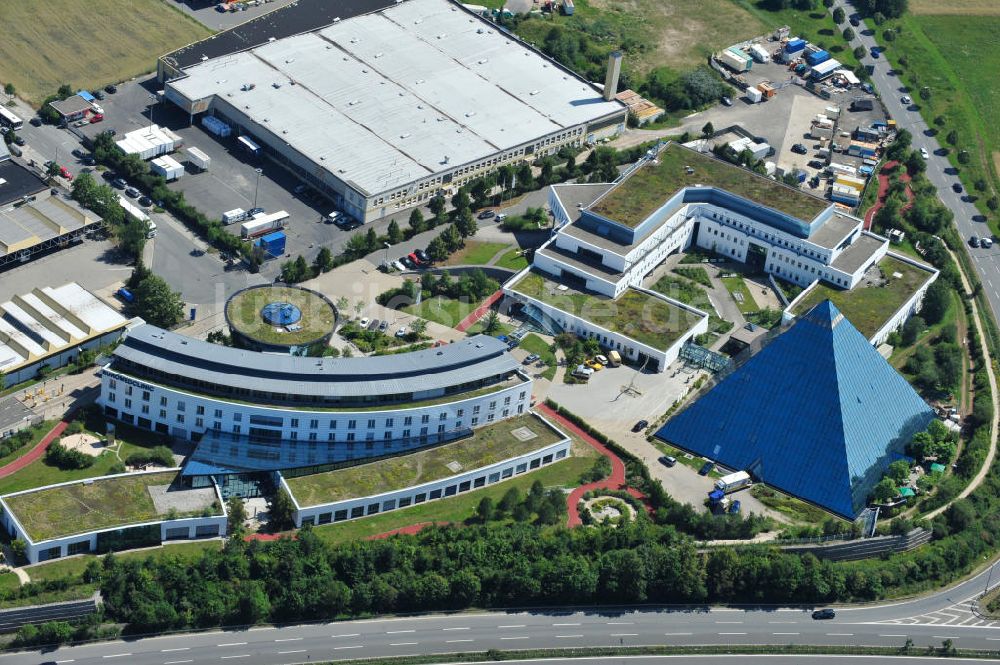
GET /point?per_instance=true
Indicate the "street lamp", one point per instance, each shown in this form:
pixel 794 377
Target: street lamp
pixel 257 186
pixel 386 255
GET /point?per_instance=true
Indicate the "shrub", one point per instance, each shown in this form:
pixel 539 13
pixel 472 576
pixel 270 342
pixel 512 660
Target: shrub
pixel 60 456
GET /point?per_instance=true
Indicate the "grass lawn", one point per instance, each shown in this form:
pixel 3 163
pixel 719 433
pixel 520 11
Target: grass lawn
pixel 745 301
pixel 690 293
pixel 795 509
pixel 457 509
pixel 475 253
pixel 514 260
pixel 477 328
pixel 649 188
pixel 694 462
pixel 869 307
pixel 77 508
pixel 244 313
pixel 532 343
pixel 86 45
pixel 440 309
pixel 674 33
pixel 955 56
pixel 486 446
pixel 645 318
pixel 9 581
pixel 38 432
pixel 74 566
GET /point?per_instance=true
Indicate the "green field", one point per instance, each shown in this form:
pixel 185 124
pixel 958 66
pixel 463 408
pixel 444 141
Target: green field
pixel 565 474
pixel 532 343
pixel 745 302
pixel 86 44
pixel 645 318
pixel 74 566
pixel 244 314
pixel 475 253
pixel 869 307
pixel 441 309
pixel 488 445
pixel 77 508
pixel 514 260
pixel 956 57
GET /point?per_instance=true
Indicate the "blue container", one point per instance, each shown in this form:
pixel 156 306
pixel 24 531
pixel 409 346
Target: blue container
pixel 715 496
pixel 816 58
pixel 125 295
pixel 273 243
pixel 795 45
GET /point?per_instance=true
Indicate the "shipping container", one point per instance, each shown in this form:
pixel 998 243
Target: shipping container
pixel 167 167
pixel 216 126
pixel 824 69
pixel 815 58
pixel 198 159
pixel 819 131
pixel 845 194
pixel 846 169
pixel 273 244
pixel 262 224
pixel 850 181
pixel 832 112
pixel 861 149
pixel 760 54
pixel 249 145
pixel 795 45
pixel 132 210
pixel 754 95
pixel 736 62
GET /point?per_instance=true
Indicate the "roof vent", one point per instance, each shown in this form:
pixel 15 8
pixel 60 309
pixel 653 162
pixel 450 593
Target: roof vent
pixel 275 85
pixel 480 31
pixel 470 114
pixel 534 92
pixel 379 54
pixel 271 39
pixel 404 135
pixel 336 19
pixel 483 61
pixel 204 58
pixel 289 61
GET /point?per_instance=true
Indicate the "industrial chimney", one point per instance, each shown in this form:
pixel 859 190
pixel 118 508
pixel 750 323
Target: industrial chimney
pixel 611 79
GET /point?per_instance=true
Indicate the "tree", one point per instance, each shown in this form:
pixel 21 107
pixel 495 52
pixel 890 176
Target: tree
pixel 547 174
pixel 993 203
pixel 394 234
pixel 936 302
pixel 839 16
pixel 237 516
pixel 484 511
pixel 859 52
pixel 707 130
pixel 418 327
pixel 491 323
pixel 849 34
pixel 18 548
pixel 524 177
pixel 465 223
pixel 452 238
pixel 132 238
pixel 964 157
pixel 416 222
pixel 899 472
pixel 437 205
pixel 885 491
pixel 323 261
pixel 437 249
pixel 889 35
pixel 156 302
pixel 912 329
pixel 951 137
pixel 915 164
pixel 281 511
pixel 9 90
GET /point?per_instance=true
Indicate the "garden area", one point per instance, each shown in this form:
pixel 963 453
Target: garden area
pixel 532 343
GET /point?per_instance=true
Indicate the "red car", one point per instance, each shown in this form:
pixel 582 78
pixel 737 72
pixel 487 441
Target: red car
pixel 416 260
pixel 97 117
pixel 64 172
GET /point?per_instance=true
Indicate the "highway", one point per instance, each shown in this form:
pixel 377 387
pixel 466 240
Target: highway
pixel 939 170
pixel 928 621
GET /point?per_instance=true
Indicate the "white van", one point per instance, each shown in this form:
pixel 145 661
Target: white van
pixel 151 230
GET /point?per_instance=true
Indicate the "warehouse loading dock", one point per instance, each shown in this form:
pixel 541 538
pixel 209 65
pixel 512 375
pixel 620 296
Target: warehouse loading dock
pixel 43 223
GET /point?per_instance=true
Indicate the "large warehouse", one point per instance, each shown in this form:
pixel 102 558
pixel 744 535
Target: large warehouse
pixel 383 110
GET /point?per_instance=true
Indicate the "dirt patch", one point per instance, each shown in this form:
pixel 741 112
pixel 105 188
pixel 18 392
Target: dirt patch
pixel 956 7
pixel 88 444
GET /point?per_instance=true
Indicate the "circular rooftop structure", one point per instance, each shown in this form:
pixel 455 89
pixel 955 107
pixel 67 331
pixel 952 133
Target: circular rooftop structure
pixel 287 319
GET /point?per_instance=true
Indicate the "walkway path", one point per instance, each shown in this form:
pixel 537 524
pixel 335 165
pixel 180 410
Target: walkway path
pixel 36 452
pixel 988 363
pixel 479 312
pixel 616 481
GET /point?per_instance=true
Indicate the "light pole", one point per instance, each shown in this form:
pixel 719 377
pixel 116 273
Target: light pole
pixel 152 99
pixel 386 255
pixel 256 186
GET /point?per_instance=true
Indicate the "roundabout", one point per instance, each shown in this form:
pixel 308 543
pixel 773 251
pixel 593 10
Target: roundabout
pixel 284 319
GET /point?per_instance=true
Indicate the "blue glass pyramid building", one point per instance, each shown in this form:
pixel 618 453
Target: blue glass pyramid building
pixel 818 413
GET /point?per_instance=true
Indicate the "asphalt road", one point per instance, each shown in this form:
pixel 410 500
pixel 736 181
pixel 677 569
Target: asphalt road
pixel 939 170
pixel 927 621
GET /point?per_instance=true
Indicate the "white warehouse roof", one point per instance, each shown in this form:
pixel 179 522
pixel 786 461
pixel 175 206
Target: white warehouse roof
pixel 397 95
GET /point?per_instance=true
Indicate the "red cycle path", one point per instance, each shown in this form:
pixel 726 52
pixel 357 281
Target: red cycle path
pixel 883 187
pixel 479 312
pixel 36 452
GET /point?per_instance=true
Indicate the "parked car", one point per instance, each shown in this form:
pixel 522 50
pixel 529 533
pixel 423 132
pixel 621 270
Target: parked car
pixel 855 21
pixel 382 327
pixel 405 260
pixel 734 507
pixel 924 153
pixel 726 101
pixel 706 468
pixel 417 261
pixel 486 214
pixel 64 172
pixel 81 123
pixel 601 359
pixel 19 140
pixel 99 95
pixel 110 176
pixel 594 365
pixel 825 613
pixel 402 332
pixel 363 323
pixel 986 243
pixel 531 359
pixel 800 149
pixel 35 122
pixel 875 52
pixel 76 152
pixel 906 100
pixel 398 266
pixel 375 323
pixel 668 461
pixel 97 117
pixel 111 89
pixel 145 201
pixel 119 183
pixel 957 188
pixel 254 211
pixel 422 255
pixel 88 160
pixel 641 425
pixel 974 241
pixel 300 189
pixel 132 192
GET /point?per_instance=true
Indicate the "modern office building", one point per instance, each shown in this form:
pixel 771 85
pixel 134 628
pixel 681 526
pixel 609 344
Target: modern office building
pixel 251 413
pixel 610 237
pixel 384 107
pixel 817 413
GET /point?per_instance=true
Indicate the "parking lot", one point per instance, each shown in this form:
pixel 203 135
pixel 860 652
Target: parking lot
pixel 206 14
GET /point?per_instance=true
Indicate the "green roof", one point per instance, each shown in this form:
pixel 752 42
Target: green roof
pixel 644 317
pixel 90 505
pixel 866 306
pixel 487 445
pixel 244 314
pixel 649 187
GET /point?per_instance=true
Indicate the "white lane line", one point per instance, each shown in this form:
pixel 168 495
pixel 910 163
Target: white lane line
pixel 289 639
pixel 840 634
pixel 242 655
pixel 397 632
pixel 282 653
pixel 355 646
pixel 728 622
pixel 946 637
pixel 68 660
pixel 784 622
pixel 174 649
pixel 784 633
pixel 895 635
pixel 347 635
pixel 516 625
pixel 670 634
pixel 519 637
pixel 732 633
pixel 454 641
pixel 169 662
pixel 624 634
pixel 566 624
pixel 462 628
pixel 116 655
pixel 404 644
pixel 620 623
pixel 568 636
pixel 993 639
pixel 231 644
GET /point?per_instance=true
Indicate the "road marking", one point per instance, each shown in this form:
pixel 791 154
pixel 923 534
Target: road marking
pixel 175 649
pixel 783 622
pixel 70 660
pixel 568 636
pixel 347 635
pixel 732 633
pixel 784 633
pixel 897 635
pixel 282 653
pixel 728 622
pixel 946 637
pixel 454 641
pixel 620 623
pixel 403 644
pixel 463 628
pixel 231 644
pixel 566 624
pixel 519 637
pixel 670 634
pixel 517 625
pixel 242 655
pixel 169 662
pixel 840 634
pixel 116 655
pixel 356 646
pixel 993 639
pixel 396 632
pixel 289 639
pixel 624 634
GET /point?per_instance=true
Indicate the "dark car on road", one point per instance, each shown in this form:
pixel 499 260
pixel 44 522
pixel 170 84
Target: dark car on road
pixel 422 255
pixel 111 89
pixel 119 184
pixel 486 214
pixel 145 201
pixel 799 148
pixel 641 425
pixel 382 327
pixel 706 468
pixel 78 153
pixel 825 613
pixel 667 460
pixel 19 140
pixel 35 122
pixel 375 323
pixel 405 260
pixel 855 21
pixel 974 241
pixel 957 188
